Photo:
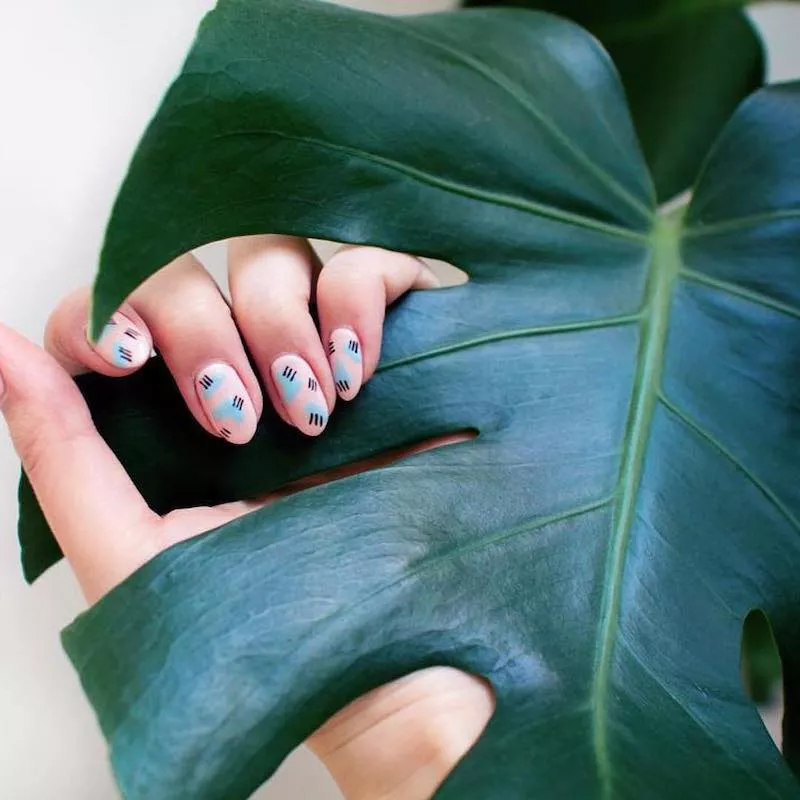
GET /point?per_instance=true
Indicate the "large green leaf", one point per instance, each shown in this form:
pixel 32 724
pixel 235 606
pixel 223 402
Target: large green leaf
pixel 633 491
pixel 684 64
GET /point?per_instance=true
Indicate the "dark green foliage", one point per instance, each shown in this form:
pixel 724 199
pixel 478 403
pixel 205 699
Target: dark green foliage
pixel 685 65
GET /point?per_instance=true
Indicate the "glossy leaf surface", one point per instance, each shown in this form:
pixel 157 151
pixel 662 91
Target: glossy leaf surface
pixel 685 67
pixel 633 490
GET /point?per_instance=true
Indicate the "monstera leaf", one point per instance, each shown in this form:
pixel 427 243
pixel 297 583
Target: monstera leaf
pixel 685 65
pixel 633 491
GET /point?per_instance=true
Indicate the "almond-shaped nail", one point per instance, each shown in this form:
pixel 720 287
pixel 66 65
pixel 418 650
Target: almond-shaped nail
pixel 226 402
pixel 301 394
pixel 345 356
pixel 123 344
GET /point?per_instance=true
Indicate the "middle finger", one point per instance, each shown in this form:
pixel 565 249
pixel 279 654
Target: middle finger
pixel 271 279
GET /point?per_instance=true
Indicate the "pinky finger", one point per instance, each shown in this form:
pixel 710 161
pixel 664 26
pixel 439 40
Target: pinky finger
pixel 124 346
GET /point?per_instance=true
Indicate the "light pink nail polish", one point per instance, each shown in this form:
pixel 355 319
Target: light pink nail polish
pixel 123 344
pixel 226 402
pixel 301 394
pixel 347 363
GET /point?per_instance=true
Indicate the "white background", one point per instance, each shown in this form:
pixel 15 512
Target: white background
pixel 78 82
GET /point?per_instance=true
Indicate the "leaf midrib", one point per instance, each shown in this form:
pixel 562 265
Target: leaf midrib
pixel 665 263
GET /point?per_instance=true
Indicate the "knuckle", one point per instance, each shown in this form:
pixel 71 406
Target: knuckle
pixel 39 440
pixel 48 424
pixel 341 273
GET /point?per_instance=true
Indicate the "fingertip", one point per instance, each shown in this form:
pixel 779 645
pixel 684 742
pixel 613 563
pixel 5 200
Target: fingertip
pixel 124 346
pixel 427 278
pixel 300 393
pixel 124 343
pixel 226 403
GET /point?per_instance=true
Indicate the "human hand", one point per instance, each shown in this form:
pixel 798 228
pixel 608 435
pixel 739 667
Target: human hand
pixel 273 282
pixel 398 742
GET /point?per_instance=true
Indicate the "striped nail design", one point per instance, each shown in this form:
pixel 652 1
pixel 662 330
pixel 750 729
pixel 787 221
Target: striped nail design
pixel 301 394
pixel 346 359
pixel 226 402
pixel 123 344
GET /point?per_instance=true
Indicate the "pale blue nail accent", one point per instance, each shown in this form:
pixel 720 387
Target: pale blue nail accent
pixel 120 359
pixel 289 388
pixel 210 389
pixel 341 373
pixel 356 357
pixel 228 411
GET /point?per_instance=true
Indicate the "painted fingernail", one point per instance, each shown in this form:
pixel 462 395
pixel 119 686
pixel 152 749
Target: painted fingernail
pixel 123 343
pixel 226 402
pixel 345 356
pixel 301 394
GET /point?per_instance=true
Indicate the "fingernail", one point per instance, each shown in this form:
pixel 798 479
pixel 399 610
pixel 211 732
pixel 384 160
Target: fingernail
pixel 429 279
pixel 345 356
pixel 301 394
pixel 226 402
pixel 123 344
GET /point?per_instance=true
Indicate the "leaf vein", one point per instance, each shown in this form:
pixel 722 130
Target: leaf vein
pixel 696 718
pixel 528 527
pixel 445 184
pixel 520 96
pixel 740 223
pixel 740 291
pixel 544 330
pixel 695 426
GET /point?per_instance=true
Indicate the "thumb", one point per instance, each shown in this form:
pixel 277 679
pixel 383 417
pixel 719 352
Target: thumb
pixel 95 512
pixel 401 741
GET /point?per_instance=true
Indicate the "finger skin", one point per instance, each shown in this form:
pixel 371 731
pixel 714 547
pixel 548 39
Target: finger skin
pixel 271 280
pixel 401 741
pixel 194 331
pixel 123 348
pixel 353 291
pixel 100 520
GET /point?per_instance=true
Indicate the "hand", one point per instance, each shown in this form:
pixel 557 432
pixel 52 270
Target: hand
pixel 396 743
pixel 272 280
